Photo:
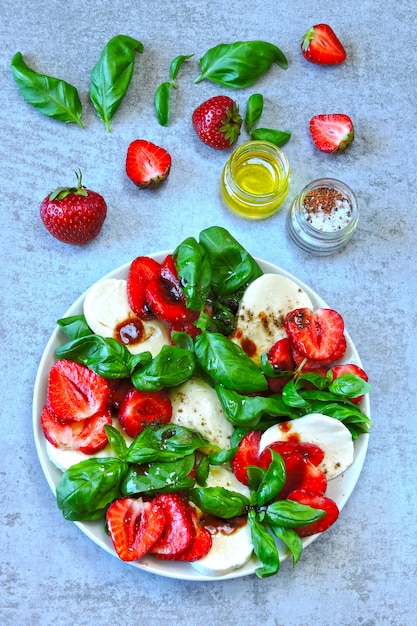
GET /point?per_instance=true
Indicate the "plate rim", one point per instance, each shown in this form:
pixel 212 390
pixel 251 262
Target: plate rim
pixel 177 570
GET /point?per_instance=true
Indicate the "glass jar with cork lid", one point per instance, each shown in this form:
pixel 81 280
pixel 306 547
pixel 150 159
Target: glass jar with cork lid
pixel 323 216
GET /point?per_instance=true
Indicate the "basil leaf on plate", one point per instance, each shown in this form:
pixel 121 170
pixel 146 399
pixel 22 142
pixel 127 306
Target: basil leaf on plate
pixel 239 64
pixel 87 488
pixel 74 326
pixel 161 477
pixel 277 137
pixel 264 547
pixel 290 538
pixel 241 410
pixel 110 77
pixel 291 514
pixel 272 481
pixel 170 367
pixel 254 110
pixel 194 272
pixel 51 96
pixel 349 386
pixel 219 501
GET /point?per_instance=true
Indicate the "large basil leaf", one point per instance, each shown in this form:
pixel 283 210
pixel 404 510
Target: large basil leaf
pixel 110 77
pixel 232 266
pixel 160 477
pixel 51 96
pixel 219 501
pixel 194 272
pixel 165 443
pixel 243 410
pixel 87 488
pixel 291 514
pixel 228 364
pixel 170 367
pixel 239 64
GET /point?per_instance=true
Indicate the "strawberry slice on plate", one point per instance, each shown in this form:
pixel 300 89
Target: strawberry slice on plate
pixel 134 526
pixel 321 45
pixel 179 533
pixel 164 305
pixel 87 436
pixel 202 542
pixel 75 392
pixel 315 334
pixel 316 502
pixel 332 132
pixel 140 409
pixel 141 271
pixel 147 165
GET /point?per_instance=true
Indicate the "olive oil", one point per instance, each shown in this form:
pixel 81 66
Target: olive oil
pixel 255 179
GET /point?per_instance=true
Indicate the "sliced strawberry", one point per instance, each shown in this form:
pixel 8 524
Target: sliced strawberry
pixel 280 355
pixel 119 390
pixel 75 392
pixel 321 45
pixel 333 132
pixel 350 368
pixel 301 473
pixel 315 334
pixel 202 542
pixel 164 305
pixel 147 165
pixel 320 366
pixel 179 533
pixel 186 327
pixel 169 275
pixel 140 409
pixel 141 271
pixel 134 526
pixel 248 455
pixel 309 451
pixel 87 436
pixel 316 502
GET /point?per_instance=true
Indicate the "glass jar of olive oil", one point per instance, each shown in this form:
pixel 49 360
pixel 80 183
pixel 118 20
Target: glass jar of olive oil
pixel 255 179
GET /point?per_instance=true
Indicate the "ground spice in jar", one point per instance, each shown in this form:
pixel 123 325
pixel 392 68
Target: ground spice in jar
pixel 326 209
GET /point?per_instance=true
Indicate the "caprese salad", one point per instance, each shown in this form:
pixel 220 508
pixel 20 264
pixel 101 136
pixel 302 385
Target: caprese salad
pixel 200 407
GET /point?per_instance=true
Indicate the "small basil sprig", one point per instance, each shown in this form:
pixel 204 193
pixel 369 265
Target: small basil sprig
pixel 51 96
pixel 162 99
pixel 194 272
pixel 239 64
pixel 111 76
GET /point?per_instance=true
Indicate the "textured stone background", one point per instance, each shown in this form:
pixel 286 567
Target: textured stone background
pixel 363 571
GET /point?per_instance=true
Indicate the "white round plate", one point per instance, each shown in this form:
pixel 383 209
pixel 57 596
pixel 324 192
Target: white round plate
pixel 339 489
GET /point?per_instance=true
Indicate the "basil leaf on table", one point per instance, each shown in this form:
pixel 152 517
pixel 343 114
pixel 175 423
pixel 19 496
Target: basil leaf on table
pixel 254 110
pixel 110 77
pixel 194 272
pixel 162 102
pixel 277 137
pixel 232 266
pixel 87 488
pixel 227 363
pixel 219 501
pixel 51 96
pixel 177 63
pixel 239 64
pixel 170 367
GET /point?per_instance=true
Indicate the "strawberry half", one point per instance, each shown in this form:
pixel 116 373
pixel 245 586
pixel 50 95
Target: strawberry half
pixel 74 215
pixel 134 526
pixel 87 436
pixel 179 533
pixel 141 271
pixel 75 392
pixel 147 165
pixel 316 502
pixel 140 409
pixel 217 122
pixel 320 45
pixel 315 334
pixel 201 544
pixel 333 132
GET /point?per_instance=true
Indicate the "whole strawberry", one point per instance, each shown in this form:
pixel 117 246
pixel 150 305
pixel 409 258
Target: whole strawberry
pixel 217 122
pixel 74 215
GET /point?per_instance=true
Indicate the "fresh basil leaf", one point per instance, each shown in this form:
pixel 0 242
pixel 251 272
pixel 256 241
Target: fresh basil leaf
pixel 264 547
pixel 346 412
pixel 170 367
pixel 182 340
pixel 241 410
pixel 87 488
pixel 319 381
pixel 110 77
pixel 219 501
pixel 162 103
pixel 254 110
pixel 178 438
pixel 269 370
pixel 117 441
pixel 273 480
pixel 194 272
pixel 292 397
pixel 349 386
pixel 232 266
pixel 51 96
pixel 74 327
pixel 291 539
pixel 291 514
pixel 177 63
pixel 202 471
pixel 277 137
pixel 160 477
pixel 228 364
pixel 239 64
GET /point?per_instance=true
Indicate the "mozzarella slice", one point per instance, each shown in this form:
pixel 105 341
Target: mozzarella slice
pixel 106 309
pixel 262 310
pixel 328 433
pixel 195 405
pixel 63 459
pixel 229 551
